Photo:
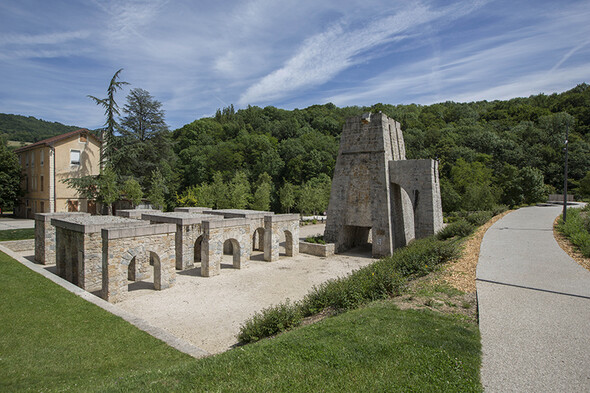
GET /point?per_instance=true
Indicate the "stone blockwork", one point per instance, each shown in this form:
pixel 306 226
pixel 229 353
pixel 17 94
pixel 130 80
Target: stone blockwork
pixel 274 227
pixel 189 234
pixel 105 252
pixel 320 250
pixel 125 248
pixel 377 192
pixel 216 233
pixel 136 213
pixel 79 247
pixel 45 236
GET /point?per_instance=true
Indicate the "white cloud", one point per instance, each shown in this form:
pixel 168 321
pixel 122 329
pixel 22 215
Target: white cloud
pixel 324 55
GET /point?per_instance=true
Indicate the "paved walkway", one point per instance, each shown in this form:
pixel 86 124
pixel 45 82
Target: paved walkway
pixel 15 223
pixel 534 308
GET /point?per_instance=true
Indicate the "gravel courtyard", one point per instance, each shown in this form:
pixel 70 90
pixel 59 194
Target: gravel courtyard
pixel 208 312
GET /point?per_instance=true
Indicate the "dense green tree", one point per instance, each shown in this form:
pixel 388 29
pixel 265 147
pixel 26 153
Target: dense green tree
pixel 132 191
pixel 239 191
pixel 288 196
pixel 583 189
pixel 108 189
pixel 157 190
pixel 261 197
pixel 144 144
pixel 10 177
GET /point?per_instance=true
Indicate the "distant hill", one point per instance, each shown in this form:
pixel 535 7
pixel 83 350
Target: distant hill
pixel 29 129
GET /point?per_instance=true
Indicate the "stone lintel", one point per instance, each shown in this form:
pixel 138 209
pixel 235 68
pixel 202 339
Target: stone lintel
pixel 281 217
pixel 135 213
pixel 48 216
pixel 143 230
pixel 94 227
pixel 179 218
pixel 193 209
pixel 230 222
pixel 241 213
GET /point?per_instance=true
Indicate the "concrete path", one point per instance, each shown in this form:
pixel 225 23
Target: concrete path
pixel 534 308
pixel 15 223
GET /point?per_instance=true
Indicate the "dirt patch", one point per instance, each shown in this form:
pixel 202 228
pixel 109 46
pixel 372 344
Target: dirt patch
pixel 569 248
pixel 460 274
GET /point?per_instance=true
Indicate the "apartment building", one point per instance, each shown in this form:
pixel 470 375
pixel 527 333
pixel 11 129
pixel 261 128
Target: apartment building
pixel 47 163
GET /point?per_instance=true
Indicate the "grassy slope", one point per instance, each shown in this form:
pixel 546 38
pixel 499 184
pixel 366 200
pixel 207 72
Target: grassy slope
pixel 53 340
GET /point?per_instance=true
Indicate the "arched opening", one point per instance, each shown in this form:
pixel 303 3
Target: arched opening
pixel 258 240
pixel 286 244
pixel 234 260
pixel 198 250
pixel 258 245
pixel 402 212
pixel 140 273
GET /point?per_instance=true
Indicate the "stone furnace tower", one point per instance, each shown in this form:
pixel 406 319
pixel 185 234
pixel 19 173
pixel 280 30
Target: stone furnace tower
pixel 377 195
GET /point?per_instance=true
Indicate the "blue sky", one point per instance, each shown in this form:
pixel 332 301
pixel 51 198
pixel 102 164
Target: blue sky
pixel 197 56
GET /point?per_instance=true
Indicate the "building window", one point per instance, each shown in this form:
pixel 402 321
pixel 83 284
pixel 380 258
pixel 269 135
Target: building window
pixel 27 159
pixel 83 138
pixel 75 157
pixel 42 160
pixel 26 183
pixel 42 207
pixel 41 182
pixel 32 158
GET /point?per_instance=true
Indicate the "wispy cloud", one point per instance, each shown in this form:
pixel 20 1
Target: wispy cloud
pixel 324 55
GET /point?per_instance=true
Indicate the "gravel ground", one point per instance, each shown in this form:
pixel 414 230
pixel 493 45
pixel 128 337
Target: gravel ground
pixel 208 312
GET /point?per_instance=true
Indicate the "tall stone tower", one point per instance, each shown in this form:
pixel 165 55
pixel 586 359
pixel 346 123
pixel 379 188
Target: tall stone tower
pixel 377 192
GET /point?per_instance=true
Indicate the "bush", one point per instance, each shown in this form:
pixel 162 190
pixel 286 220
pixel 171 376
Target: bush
pixel 318 239
pixel 479 218
pixel 270 321
pixel 576 229
pixel 499 209
pixel 461 228
pixel 382 279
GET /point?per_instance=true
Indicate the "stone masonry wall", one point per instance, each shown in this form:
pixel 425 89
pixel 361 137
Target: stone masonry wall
pixel 276 225
pixel 45 237
pixel 120 246
pixel 215 235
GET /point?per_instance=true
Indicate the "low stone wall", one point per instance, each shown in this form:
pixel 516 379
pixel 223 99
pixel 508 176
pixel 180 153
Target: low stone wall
pixel 558 198
pixel 320 250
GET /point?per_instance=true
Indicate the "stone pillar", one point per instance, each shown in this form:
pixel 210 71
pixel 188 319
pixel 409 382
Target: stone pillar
pixel 273 227
pixel 45 236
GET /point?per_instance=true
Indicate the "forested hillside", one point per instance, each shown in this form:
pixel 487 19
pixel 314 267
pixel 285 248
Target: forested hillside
pixel 29 129
pixel 508 152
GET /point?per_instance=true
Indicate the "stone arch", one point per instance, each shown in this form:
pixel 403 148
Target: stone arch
pixel 198 249
pixel 288 243
pixel 403 217
pixel 258 239
pixel 235 248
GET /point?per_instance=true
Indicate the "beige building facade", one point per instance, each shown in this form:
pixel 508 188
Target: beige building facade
pixel 47 163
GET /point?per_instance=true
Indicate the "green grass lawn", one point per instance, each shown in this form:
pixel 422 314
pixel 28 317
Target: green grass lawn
pixel 54 341
pixel 17 234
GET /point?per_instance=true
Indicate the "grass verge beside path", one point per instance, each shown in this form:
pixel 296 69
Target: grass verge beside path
pixel 374 348
pixel 53 340
pixel 17 234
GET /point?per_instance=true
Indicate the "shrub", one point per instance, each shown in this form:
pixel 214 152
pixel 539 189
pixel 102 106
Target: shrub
pixel 270 321
pixel 479 218
pixel 459 228
pixel 318 239
pixel 382 279
pixel 499 209
pixel 576 230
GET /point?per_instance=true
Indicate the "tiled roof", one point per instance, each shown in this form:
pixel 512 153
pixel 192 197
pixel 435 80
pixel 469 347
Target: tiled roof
pixel 54 139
